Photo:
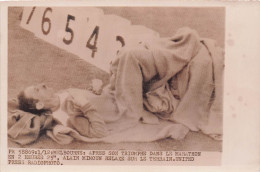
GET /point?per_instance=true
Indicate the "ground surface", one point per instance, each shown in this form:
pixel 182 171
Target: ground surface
pixel 31 60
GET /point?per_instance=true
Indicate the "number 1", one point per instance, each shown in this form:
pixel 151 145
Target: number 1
pixel 30 16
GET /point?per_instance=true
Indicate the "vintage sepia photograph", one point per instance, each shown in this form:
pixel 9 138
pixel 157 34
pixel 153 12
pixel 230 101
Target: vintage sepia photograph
pixel 122 83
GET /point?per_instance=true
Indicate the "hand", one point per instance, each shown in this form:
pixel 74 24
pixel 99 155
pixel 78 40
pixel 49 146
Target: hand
pixel 80 101
pixel 96 87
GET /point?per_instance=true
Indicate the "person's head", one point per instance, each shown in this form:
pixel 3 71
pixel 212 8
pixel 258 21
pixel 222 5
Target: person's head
pixel 36 98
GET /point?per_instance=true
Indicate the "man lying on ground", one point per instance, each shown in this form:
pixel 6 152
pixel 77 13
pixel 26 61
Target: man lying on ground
pixel 174 79
pixel 80 115
pixel 72 108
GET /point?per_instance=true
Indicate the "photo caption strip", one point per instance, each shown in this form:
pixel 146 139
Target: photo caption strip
pixel 57 157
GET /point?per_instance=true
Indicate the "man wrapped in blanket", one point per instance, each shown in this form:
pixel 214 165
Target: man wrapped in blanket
pixel 179 79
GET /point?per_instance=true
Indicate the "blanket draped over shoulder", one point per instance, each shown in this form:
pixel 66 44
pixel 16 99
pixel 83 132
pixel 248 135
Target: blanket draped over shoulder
pixel 173 85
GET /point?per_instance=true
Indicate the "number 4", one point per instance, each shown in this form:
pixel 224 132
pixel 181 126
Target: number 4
pixel 93 47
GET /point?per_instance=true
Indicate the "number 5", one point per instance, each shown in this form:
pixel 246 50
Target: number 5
pixel 67 29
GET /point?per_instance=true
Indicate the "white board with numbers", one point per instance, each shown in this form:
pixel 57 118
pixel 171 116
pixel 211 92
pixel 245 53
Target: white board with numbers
pixel 85 31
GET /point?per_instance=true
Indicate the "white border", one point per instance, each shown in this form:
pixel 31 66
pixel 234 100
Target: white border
pixel 3 87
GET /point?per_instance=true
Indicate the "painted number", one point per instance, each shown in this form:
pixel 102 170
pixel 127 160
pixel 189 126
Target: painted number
pixel 67 29
pixel 46 20
pixel 121 40
pixel 93 46
pixel 30 16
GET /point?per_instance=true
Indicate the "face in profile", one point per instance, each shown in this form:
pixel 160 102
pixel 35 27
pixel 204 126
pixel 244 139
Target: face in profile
pixel 39 92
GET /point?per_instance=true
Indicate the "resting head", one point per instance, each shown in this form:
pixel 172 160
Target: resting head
pixel 37 99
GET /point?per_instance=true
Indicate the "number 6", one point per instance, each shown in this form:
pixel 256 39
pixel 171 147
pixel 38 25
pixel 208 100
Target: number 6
pixel 46 19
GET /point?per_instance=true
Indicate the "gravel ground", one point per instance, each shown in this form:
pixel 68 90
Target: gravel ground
pixel 32 60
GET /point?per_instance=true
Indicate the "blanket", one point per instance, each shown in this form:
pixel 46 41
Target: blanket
pixel 23 127
pixel 196 63
pixel 161 89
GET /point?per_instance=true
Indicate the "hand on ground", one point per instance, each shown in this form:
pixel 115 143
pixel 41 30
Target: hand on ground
pixel 96 86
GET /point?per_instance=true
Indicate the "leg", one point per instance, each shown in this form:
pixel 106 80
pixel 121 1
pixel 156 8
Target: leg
pixel 194 105
pixel 131 69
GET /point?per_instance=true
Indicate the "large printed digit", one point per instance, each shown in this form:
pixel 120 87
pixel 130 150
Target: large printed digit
pixel 46 20
pixel 67 29
pixel 30 16
pixel 121 40
pixel 94 46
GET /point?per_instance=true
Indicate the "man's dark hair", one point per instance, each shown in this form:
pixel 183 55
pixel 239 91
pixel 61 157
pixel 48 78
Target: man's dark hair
pixel 28 104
